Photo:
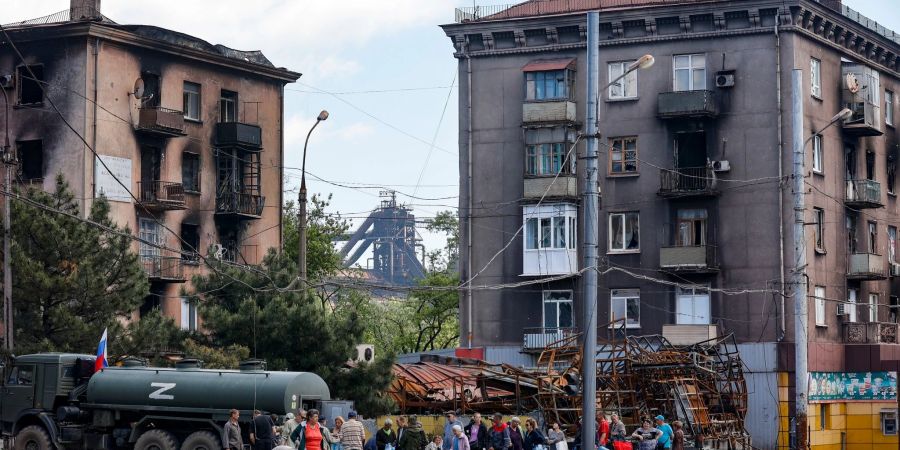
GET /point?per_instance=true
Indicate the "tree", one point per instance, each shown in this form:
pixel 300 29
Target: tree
pixel 446 259
pixel 323 228
pixel 70 279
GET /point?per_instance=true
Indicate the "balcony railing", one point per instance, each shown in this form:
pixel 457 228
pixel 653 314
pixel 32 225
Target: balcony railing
pixel 863 194
pixel 866 266
pixel 562 186
pixel 541 338
pixel 239 134
pixel 870 333
pixel 548 111
pixel 161 121
pixel 686 104
pixel 865 121
pixel 688 258
pixel 687 181
pixel 542 8
pixel 161 194
pixel 239 204
pixel 164 268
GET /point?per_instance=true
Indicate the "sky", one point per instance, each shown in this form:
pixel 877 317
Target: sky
pixel 383 69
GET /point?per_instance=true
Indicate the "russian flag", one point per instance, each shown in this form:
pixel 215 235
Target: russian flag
pixel 101 360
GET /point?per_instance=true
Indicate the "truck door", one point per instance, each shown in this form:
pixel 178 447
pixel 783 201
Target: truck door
pixel 18 392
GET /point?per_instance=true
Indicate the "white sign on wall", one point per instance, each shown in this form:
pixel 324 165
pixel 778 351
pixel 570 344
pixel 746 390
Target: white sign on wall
pixel 105 180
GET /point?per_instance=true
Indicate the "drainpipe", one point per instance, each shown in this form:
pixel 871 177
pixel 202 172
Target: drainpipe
pixel 93 183
pixel 780 309
pixel 281 171
pixel 469 332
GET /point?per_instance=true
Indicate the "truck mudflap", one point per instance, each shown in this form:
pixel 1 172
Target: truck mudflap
pixel 25 419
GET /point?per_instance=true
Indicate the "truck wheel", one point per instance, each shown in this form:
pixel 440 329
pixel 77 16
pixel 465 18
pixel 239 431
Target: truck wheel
pixel 201 440
pixel 33 438
pixel 156 439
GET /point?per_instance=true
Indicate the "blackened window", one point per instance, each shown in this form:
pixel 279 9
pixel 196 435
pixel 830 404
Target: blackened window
pixel 668 25
pixel 737 19
pixel 190 242
pixel 29 82
pixel 190 171
pixel 536 37
pixel 702 22
pixel 891 170
pixel 476 42
pixel 31 158
pixel 568 35
pixel 634 28
pixel 504 39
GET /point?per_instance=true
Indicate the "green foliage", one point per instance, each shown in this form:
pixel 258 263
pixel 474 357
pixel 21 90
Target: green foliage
pixel 446 259
pixel 70 279
pixel 216 357
pixel 322 259
pixel 152 337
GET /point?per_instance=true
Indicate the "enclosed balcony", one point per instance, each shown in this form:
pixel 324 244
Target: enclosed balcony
pixel 239 204
pixel 165 269
pixel 548 111
pixel 865 121
pixel 866 266
pixel 870 333
pixel 863 194
pixel 238 134
pixel 161 195
pixel 160 122
pixel 687 182
pixel 563 186
pixel 688 258
pixel 861 86
pixel 687 104
pixel 541 338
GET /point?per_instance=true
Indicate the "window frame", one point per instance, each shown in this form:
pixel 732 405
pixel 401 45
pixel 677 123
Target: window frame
pixel 623 161
pixel 23 76
pixel 534 231
pixel 228 97
pixel 691 72
pixel 818 155
pixel 551 154
pixel 567 82
pixel 197 162
pixel 624 215
pixel 815 78
pixel 629 80
pixel 819 214
pixel 892 244
pixel 885 416
pixel 545 300
pixel 186 256
pixel 872 305
pixel 190 315
pixel 889 108
pixel 151 233
pixel 819 297
pixel 20 155
pixel 625 295
pixel 187 95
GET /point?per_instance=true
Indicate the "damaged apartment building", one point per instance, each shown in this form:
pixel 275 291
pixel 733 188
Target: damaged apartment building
pixel 193 131
pixel 695 221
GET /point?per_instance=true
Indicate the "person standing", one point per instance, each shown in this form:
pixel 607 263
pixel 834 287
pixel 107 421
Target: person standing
pixel 353 435
pixel 262 431
pixel 460 440
pixel 310 436
pixel 233 440
pixel 477 432
pixel 436 443
pixel 286 428
pixel 678 439
pixel 500 439
pixel 556 436
pixel 385 438
pixel 616 429
pixel 647 435
pixel 664 441
pixel 448 429
pixel 336 433
pixel 534 439
pixel 402 423
pixel 413 436
pixel 602 431
pixel 516 437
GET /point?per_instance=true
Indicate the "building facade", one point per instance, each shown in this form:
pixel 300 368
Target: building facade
pixel 696 214
pixel 184 138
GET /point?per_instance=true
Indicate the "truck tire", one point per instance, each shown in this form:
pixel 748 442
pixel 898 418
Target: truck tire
pixel 33 437
pixel 202 440
pixel 156 439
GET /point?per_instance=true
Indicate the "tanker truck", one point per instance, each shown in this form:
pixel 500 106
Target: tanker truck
pixel 58 401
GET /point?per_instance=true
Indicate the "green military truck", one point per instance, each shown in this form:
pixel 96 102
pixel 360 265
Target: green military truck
pixel 57 400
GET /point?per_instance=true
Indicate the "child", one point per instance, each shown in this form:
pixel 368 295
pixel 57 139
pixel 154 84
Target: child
pixel 435 443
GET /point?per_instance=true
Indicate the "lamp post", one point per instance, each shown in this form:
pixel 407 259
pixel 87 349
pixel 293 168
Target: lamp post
pixel 301 219
pixel 591 218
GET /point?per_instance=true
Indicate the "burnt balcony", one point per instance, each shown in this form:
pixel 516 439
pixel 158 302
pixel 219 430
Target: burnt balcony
pixel 161 195
pixel 687 104
pixel 863 194
pixel 239 205
pixel 161 122
pixel 865 121
pixel 687 182
pixel 165 269
pixel 563 186
pixel 548 111
pixel 239 134
pixel 688 258
pixel 541 338
pixel 866 266
pixel 870 333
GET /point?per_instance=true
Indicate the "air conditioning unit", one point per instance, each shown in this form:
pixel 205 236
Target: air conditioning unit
pixel 721 166
pixel 365 353
pixel 841 310
pixel 7 81
pixel 895 269
pixel 725 79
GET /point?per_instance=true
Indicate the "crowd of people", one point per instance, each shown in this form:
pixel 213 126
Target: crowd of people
pixel 308 431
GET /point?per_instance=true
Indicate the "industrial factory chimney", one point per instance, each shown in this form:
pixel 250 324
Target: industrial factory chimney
pixel 84 10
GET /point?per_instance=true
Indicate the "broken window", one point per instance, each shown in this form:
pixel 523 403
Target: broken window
pixel 191 101
pixel 31 158
pixel 548 159
pixel 624 232
pixel 558 309
pixel 818 154
pixel 151 98
pixel 190 242
pixel 819 215
pixel 625 87
pixel 190 171
pixel 625 304
pixel 151 238
pixel 228 108
pixel 30 91
pixel 623 155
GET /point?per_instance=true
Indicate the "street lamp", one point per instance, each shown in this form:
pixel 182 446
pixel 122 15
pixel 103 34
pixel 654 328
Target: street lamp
pixel 301 219
pixel 842 115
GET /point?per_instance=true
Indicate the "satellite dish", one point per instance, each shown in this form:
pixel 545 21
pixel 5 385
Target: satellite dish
pixel 138 88
pixel 852 83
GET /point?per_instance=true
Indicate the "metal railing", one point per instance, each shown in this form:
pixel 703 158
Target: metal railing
pixel 686 180
pixel 163 267
pixel 695 103
pixel 687 257
pixel 546 7
pixel 229 202
pixel 543 337
pixel 863 192
pixel 870 333
pixel 866 266
pixel 162 120
pixel 161 193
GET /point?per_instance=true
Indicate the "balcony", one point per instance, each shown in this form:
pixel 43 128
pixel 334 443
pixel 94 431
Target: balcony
pixel 166 269
pixel 687 104
pixel 239 134
pixel 870 333
pixel 548 111
pixel 688 259
pixel 865 121
pixel 539 339
pixel 161 195
pixel 687 182
pixel 239 205
pixel 563 186
pixel 866 266
pixel 161 122
pixel 863 194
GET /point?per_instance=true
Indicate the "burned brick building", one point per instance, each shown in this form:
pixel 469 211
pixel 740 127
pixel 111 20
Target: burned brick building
pixel 193 131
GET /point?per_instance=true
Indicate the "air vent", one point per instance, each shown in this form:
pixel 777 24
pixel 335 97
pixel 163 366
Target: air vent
pixel 252 365
pixel 133 361
pixel 189 363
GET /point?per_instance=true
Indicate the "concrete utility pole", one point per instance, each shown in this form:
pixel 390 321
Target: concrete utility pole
pixel 8 160
pixel 591 213
pixel 301 218
pixel 801 313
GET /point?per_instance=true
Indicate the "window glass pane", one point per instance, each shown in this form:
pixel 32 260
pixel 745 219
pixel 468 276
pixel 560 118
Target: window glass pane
pixel 545 232
pixel 561 84
pixel 559 232
pixel 682 61
pixel 630 158
pixel 531 160
pixel 531 234
pixel 546 163
pixel 550 319
pixel 565 315
pixel 616 232
pixel 634 311
pixel 699 79
pixel 630 81
pixel 617 308
pixel 615 90
pixel 632 231
pixel 540 91
pixel 698 61
pixel 572 231
pixel 682 80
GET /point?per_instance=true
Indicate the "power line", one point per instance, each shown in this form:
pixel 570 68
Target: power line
pixel 376 91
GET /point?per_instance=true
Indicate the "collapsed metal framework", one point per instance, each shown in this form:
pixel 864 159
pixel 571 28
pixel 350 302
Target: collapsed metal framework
pixel 701 384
